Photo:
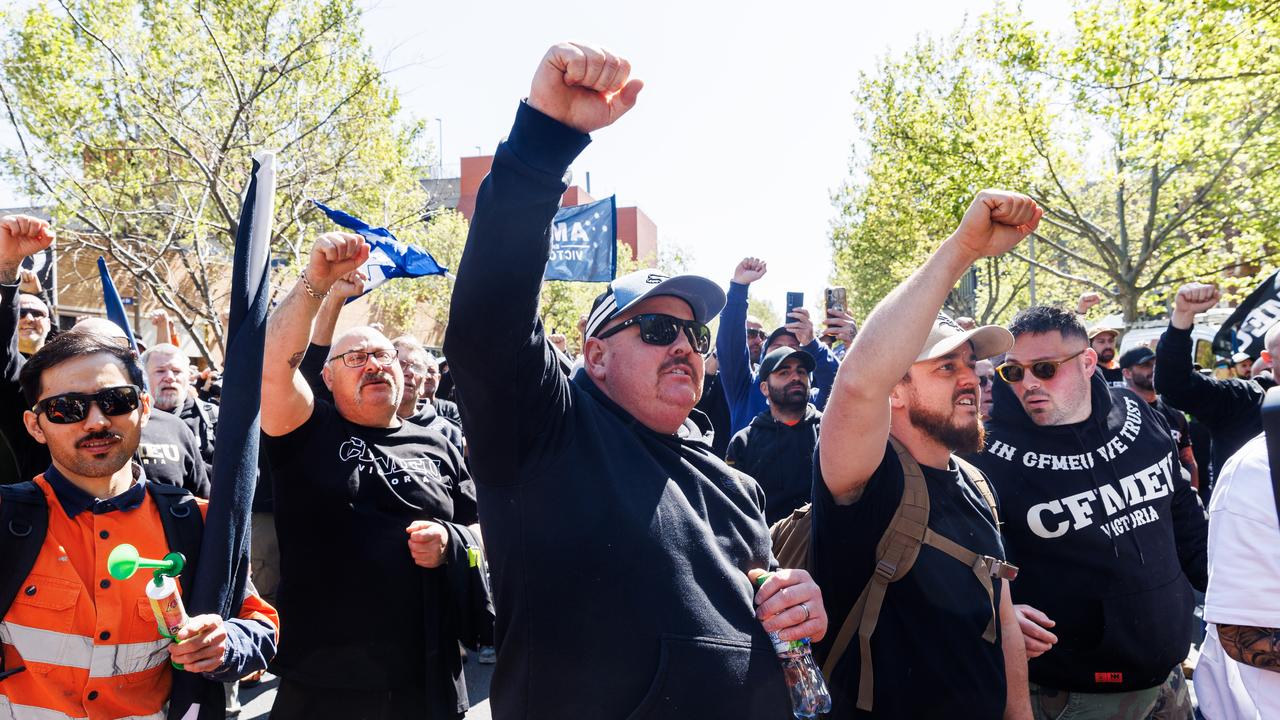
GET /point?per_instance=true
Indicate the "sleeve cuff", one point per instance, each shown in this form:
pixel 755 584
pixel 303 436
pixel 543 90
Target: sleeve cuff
pixel 544 143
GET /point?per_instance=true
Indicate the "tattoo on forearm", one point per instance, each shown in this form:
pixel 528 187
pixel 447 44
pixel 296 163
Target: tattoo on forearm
pixel 295 360
pixel 1259 647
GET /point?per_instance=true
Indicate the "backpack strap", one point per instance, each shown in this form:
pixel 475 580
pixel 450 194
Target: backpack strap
pixel 896 553
pixel 24 522
pixel 183 526
pixel 980 483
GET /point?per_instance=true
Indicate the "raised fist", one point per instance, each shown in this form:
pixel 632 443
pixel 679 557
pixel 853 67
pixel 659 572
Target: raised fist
pixel 749 270
pixel 348 286
pixel 159 318
pixel 335 254
pixel 1196 298
pixel 21 236
pixel 28 281
pixel 996 221
pixel 584 87
pixel 1087 300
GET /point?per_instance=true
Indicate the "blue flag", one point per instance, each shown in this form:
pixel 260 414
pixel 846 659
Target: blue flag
pixel 388 257
pixel 115 307
pixel 223 570
pixel 584 243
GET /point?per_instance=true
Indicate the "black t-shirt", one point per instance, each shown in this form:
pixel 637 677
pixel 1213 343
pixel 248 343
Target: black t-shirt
pixel 358 608
pixel 929 658
pixel 1179 428
pixel 1114 376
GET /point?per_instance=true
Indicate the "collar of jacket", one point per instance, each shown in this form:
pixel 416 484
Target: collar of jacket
pixel 75 501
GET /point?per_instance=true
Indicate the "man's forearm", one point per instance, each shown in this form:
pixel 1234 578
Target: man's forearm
pixel 1018 699
pixel 1254 646
pixel 288 332
pixel 326 320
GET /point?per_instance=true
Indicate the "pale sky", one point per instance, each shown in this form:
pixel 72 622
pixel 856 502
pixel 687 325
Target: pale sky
pixel 743 131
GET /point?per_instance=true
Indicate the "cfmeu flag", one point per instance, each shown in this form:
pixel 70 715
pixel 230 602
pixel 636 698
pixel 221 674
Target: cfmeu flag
pixel 584 243
pixel 1245 330
pixel 115 307
pixel 223 568
pixel 388 257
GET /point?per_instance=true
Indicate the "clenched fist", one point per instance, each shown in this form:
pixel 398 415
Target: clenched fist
pixel 584 87
pixel 1087 300
pixel 21 236
pixel 335 254
pixel 749 270
pixel 1193 298
pixel 428 542
pixel 996 221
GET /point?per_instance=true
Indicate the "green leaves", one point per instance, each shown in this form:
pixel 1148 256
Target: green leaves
pixel 1147 134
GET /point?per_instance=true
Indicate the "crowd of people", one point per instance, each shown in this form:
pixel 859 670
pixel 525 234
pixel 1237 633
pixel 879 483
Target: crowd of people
pixel 992 521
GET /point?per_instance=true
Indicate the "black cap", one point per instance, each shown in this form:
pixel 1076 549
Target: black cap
pixel 1136 356
pixel 779 355
pixel 779 333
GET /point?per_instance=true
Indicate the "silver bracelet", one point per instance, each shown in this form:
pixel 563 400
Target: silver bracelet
pixel 306 285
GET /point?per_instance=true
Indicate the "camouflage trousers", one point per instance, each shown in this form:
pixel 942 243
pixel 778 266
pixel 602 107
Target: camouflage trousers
pixel 1168 701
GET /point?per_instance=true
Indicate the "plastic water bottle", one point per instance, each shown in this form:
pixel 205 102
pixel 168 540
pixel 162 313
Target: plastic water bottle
pixel 809 695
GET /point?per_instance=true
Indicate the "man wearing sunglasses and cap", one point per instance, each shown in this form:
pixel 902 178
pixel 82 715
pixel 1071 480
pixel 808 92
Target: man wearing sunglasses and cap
pixel 620 544
pixel 1103 523
pixel 931 630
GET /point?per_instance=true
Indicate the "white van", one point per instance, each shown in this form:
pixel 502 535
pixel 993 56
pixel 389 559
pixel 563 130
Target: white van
pixel 1148 332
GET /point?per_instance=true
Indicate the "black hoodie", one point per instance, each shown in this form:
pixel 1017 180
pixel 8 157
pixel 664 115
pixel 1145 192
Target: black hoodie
pixel 780 457
pixel 1106 532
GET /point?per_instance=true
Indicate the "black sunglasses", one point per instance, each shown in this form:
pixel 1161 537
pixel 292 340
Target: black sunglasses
pixel 73 407
pixel 35 312
pixel 757 333
pixel 656 329
pixel 1045 369
pixel 984 381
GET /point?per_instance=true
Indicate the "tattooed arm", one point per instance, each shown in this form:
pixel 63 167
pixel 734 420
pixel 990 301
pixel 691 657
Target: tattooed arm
pixel 1259 647
pixel 287 400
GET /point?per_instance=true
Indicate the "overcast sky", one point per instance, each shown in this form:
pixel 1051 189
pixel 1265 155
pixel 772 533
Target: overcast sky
pixel 741 135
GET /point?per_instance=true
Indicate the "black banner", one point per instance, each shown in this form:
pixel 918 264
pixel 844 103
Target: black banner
pixel 1248 325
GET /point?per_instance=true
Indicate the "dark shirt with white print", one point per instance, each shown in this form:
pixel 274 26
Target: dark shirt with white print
pixel 1107 533
pixel 362 614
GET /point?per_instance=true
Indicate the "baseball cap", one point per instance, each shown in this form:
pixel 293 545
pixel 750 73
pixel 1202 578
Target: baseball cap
pixel 947 335
pixel 1102 330
pixel 1240 357
pixel 771 361
pixel 779 333
pixel 704 297
pixel 1136 356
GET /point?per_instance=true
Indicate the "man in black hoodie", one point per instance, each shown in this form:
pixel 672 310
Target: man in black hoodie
pixel 1099 518
pixel 1230 409
pixel 620 545
pixel 777 447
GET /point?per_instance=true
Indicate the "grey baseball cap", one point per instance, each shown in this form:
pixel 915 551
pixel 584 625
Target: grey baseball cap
pixel 947 335
pixel 704 296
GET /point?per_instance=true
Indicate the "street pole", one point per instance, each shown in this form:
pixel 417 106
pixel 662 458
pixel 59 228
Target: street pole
pixel 440 151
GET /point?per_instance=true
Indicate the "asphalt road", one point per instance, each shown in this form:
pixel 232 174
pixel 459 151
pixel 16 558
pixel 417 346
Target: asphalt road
pixel 256 702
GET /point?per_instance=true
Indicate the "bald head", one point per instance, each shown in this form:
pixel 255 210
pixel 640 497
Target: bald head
pixel 100 327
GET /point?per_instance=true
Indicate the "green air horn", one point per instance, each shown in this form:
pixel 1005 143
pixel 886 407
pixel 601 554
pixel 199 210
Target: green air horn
pixel 124 561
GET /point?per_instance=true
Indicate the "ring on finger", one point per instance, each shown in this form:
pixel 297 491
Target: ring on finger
pixel 805 608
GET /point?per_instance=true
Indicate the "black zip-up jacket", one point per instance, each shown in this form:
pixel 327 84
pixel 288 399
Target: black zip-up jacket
pixel 780 458
pixel 1230 409
pixel 1106 532
pixel 619 554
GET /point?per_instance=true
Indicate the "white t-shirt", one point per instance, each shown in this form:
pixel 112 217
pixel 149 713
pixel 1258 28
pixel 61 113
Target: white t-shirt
pixel 1244 586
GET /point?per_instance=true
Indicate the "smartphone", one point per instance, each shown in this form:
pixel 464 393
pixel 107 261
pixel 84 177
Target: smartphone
pixel 794 300
pixel 836 301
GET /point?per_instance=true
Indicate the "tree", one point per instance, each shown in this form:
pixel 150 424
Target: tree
pixel 1148 135
pixel 136 120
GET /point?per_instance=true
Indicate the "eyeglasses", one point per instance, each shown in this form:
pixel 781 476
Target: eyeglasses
pixel 359 358
pixel 415 368
pixel 1045 369
pixel 757 333
pixel 33 312
pixel 656 329
pixel 73 407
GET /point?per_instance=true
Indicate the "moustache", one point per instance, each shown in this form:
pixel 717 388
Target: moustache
pixel 679 360
pixel 98 435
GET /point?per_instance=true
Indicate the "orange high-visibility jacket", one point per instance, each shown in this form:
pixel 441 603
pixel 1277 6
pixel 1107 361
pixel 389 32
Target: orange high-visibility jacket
pixel 90 642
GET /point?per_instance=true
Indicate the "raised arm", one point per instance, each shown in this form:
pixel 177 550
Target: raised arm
pixel 508 377
pixel 287 400
pixel 731 340
pixel 857 415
